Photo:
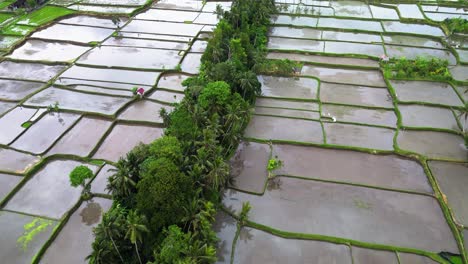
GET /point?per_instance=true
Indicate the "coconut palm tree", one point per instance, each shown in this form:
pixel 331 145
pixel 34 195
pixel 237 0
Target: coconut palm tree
pixel 136 225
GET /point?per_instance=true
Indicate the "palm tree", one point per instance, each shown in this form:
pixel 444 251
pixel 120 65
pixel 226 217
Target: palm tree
pixel 120 184
pixel 136 225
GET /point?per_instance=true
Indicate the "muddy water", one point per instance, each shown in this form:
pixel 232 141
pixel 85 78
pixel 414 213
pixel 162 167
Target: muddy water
pixel 359 213
pixel 48 193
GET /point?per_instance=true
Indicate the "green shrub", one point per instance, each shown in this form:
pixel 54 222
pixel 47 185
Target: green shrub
pixel 420 68
pixel 79 175
pixel 215 96
pixel 167 147
pixel 162 193
pixel 456 25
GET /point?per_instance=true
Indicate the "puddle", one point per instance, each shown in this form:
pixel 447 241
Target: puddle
pixel 124 138
pixel 93 21
pixel 307 33
pixel 351 37
pixel 78 101
pixel 225 228
pixel 29 71
pixel 355 95
pixel 168 97
pixel 349 24
pixel 38 50
pixel 168 15
pixel 207 19
pixel 15 161
pixel 433 144
pixel 172 81
pixel 83 34
pixel 255 246
pixel 353 48
pixel 379 12
pixel 414 221
pixel 410 11
pixel 102 9
pixel 387 171
pixel 155 36
pixel 7 183
pixel 11 123
pixel 249 166
pixel 17 90
pixel 103 91
pixel 144 110
pixel 359 136
pixel 294 21
pixel 278 128
pixel 82 138
pixel 349 8
pixel 360 115
pixel 166 28
pixel 412 41
pixel 295 44
pixel 142 58
pixel 453 182
pixel 392 26
pixel 12 228
pixel 412 53
pixel 72 83
pixel 323 59
pixel 99 183
pixel 358 77
pixel 191 63
pixel 199 46
pixel 5 106
pixel 267 102
pixel 74 241
pixel 363 256
pixel 145 43
pixel 426 116
pixel 429 92
pixel 39 137
pixel 287 113
pixel 459 73
pixel 111 75
pixel 48 192
pixel 179 5
pixel 289 87
pixel 463 54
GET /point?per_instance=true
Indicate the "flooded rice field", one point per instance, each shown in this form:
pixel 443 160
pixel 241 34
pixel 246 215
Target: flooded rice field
pixel 374 170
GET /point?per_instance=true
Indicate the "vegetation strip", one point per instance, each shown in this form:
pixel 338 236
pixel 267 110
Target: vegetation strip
pixel 165 193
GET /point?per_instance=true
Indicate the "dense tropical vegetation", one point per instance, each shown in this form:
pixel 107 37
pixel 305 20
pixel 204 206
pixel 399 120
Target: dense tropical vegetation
pixel 456 25
pixel 166 193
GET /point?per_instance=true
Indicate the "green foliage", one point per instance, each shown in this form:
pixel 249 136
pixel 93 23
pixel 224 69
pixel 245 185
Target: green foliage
pixel 244 214
pixel 122 184
pixel 162 193
pixel 420 68
pixel 274 164
pixel 79 175
pixel 31 230
pixel 279 67
pixel 215 96
pixel 167 147
pixel 110 245
pixel 53 107
pixel 26 124
pixel 456 25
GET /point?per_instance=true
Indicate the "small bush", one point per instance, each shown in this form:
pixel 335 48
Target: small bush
pixel 420 68
pixel 79 175
pixel 456 25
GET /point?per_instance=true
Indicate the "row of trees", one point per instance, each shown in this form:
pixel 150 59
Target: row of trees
pixel 166 193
